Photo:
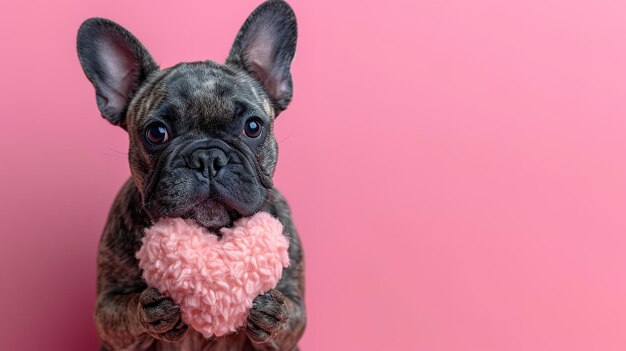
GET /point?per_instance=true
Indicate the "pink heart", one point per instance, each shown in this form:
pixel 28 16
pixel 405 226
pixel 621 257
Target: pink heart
pixel 214 280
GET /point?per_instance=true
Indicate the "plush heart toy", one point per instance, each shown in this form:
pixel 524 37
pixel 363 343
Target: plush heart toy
pixel 214 280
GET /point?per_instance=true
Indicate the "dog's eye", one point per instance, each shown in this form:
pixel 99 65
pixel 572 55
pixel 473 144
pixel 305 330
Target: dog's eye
pixel 157 133
pixel 253 127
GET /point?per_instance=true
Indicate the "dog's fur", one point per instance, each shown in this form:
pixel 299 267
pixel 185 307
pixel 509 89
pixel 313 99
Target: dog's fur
pixel 208 170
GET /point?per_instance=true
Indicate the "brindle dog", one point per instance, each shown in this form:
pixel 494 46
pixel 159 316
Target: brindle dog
pixel 201 146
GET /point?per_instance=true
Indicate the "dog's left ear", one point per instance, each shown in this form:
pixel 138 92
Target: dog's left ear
pixel 265 47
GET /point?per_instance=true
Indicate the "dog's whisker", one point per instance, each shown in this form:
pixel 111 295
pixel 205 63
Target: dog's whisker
pixel 287 137
pixel 117 151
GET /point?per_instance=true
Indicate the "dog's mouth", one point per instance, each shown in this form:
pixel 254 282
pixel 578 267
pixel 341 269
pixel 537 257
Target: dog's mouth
pixel 189 183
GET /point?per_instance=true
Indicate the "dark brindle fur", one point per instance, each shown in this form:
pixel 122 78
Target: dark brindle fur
pixel 207 170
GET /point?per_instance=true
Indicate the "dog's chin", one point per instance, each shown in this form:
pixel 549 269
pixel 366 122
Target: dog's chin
pixel 213 216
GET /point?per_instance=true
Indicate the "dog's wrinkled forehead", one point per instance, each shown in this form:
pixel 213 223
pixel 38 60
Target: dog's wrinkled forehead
pixel 202 94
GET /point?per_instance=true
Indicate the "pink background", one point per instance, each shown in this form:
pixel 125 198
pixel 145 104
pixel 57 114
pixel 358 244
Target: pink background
pixel 457 169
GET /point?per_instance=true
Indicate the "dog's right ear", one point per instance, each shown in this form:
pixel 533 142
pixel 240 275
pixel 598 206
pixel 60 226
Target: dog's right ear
pixel 116 64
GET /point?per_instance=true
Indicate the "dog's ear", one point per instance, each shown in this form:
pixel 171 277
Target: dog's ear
pixel 265 47
pixel 116 64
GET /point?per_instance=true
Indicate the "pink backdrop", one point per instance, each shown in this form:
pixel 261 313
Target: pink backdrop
pixel 457 169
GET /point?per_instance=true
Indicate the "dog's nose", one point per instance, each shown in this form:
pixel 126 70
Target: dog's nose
pixel 208 161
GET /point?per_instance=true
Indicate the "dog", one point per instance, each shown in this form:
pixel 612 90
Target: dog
pixel 201 146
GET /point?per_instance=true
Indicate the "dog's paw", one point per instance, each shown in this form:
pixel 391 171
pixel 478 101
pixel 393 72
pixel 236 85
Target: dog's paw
pixel 267 316
pixel 160 316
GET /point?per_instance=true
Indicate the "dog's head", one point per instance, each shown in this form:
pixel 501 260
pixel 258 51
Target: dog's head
pixel 201 134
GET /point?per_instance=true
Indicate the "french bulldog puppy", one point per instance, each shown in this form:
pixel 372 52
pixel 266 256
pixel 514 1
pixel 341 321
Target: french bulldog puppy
pixel 202 147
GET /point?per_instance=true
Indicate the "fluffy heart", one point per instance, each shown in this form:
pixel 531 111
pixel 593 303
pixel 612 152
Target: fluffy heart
pixel 214 280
